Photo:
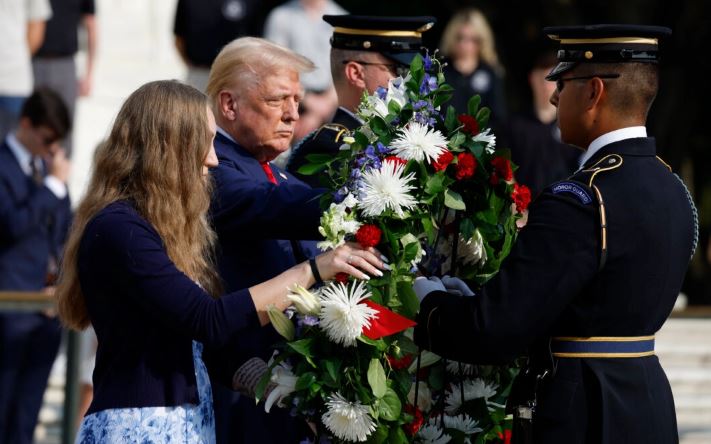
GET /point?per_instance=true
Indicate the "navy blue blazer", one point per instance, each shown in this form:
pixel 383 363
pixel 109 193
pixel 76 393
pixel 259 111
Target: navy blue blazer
pixel 146 313
pixel 33 226
pixel 257 221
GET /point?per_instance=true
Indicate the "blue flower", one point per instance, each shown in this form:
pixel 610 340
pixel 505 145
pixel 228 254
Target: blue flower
pixel 420 104
pixel 381 92
pixel 382 149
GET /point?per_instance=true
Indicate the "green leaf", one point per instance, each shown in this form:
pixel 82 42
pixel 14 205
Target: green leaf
pixel 458 139
pixel 379 344
pixel 376 378
pixel 305 381
pixel 410 303
pixel 442 98
pixel 473 105
pixel 379 436
pixel 394 107
pixel 435 184
pixel 454 200
pixel 319 158
pixel 262 385
pixel 397 436
pixel 390 406
pixel 483 117
pixel 311 168
pixel 332 369
pixel 410 253
pixel 450 121
pixel 302 347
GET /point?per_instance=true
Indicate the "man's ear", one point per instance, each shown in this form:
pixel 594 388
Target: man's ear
pixel 227 105
pixel 594 91
pixel 355 74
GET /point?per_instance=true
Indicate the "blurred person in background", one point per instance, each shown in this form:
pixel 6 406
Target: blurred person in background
pixel 298 25
pixel 53 65
pixel 534 136
pixel 366 53
pixel 473 66
pixel 203 27
pixel 34 219
pixel 22 26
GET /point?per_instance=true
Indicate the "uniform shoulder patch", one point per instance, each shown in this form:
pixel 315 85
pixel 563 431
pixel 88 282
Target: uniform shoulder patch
pixel 568 187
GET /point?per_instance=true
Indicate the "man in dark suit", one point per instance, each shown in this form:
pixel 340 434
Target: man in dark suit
pixel 259 211
pixel 366 53
pixel 34 219
pixel 597 269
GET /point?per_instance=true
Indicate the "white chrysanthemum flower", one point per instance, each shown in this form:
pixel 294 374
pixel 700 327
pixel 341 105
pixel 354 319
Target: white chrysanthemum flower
pixel 419 142
pixel 473 389
pixel 424 396
pixel 347 420
pixel 463 423
pixel 472 251
pixel 431 433
pixel 487 138
pixel 343 317
pixel 385 188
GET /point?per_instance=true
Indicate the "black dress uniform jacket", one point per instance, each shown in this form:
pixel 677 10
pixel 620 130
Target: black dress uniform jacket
pixel 560 281
pixel 325 140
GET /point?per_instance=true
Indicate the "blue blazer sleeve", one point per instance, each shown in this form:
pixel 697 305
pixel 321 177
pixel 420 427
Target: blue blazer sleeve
pixel 18 218
pixel 241 204
pixel 125 241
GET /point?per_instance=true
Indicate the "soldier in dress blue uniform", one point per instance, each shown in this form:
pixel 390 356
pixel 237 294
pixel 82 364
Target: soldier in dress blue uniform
pixel 597 269
pixel 366 53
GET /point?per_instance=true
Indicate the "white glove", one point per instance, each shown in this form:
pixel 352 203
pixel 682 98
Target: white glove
pixel 424 286
pixel 457 286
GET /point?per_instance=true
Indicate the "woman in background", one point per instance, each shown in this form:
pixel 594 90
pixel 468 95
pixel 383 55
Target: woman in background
pixel 138 266
pixel 473 66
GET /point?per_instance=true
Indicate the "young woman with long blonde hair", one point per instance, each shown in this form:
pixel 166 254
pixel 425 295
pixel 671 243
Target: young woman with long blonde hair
pixel 138 266
pixel 473 64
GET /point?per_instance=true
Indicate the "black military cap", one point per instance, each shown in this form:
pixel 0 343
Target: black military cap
pixel 605 44
pixel 398 38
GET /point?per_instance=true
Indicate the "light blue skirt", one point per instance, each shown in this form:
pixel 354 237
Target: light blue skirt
pixel 188 423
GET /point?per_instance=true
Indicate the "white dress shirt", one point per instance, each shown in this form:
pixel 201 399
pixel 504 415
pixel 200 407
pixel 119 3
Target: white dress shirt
pixel 24 158
pixel 631 132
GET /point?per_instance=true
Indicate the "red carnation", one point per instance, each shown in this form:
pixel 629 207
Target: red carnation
pixel 521 196
pixel 417 422
pixel 471 126
pixel 443 160
pixel 397 160
pixel 341 277
pixel 399 364
pixel 502 170
pixel 466 165
pixel 505 437
pixel 368 235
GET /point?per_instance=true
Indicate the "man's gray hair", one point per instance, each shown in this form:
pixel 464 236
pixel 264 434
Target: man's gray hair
pixel 245 61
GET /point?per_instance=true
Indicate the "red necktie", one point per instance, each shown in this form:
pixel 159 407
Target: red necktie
pixel 268 171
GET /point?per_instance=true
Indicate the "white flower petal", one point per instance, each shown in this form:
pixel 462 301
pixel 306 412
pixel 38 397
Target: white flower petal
pixel 347 420
pixel 431 433
pixel 342 316
pixel 385 188
pixel 463 423
pixel 473 389
pixel 419 142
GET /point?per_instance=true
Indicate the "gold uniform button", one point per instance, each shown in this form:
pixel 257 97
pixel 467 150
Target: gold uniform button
pixel 366 44
pixel 588 55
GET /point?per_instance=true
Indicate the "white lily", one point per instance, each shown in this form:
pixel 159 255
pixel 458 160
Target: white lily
pixel 285 382
pixel 305 302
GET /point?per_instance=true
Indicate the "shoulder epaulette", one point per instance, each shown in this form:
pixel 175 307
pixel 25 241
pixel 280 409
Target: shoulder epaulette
pixel 337 128
pixel 607 163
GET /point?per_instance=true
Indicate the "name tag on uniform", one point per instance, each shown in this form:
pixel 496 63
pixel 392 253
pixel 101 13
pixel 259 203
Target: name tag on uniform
pixel 572 188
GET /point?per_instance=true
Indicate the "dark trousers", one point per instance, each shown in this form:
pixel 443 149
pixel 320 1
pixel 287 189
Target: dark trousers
pixel 28 347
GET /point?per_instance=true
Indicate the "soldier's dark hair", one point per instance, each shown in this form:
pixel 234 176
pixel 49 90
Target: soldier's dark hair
pixel 46 108
pixel 634 91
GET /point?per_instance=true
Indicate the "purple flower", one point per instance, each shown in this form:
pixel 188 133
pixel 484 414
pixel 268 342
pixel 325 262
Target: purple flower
pixel 420 104
pixel 428 62
pixel 310 320
pixel 395 121
pixel 382 149
pixel 429 84
pixel 381 92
